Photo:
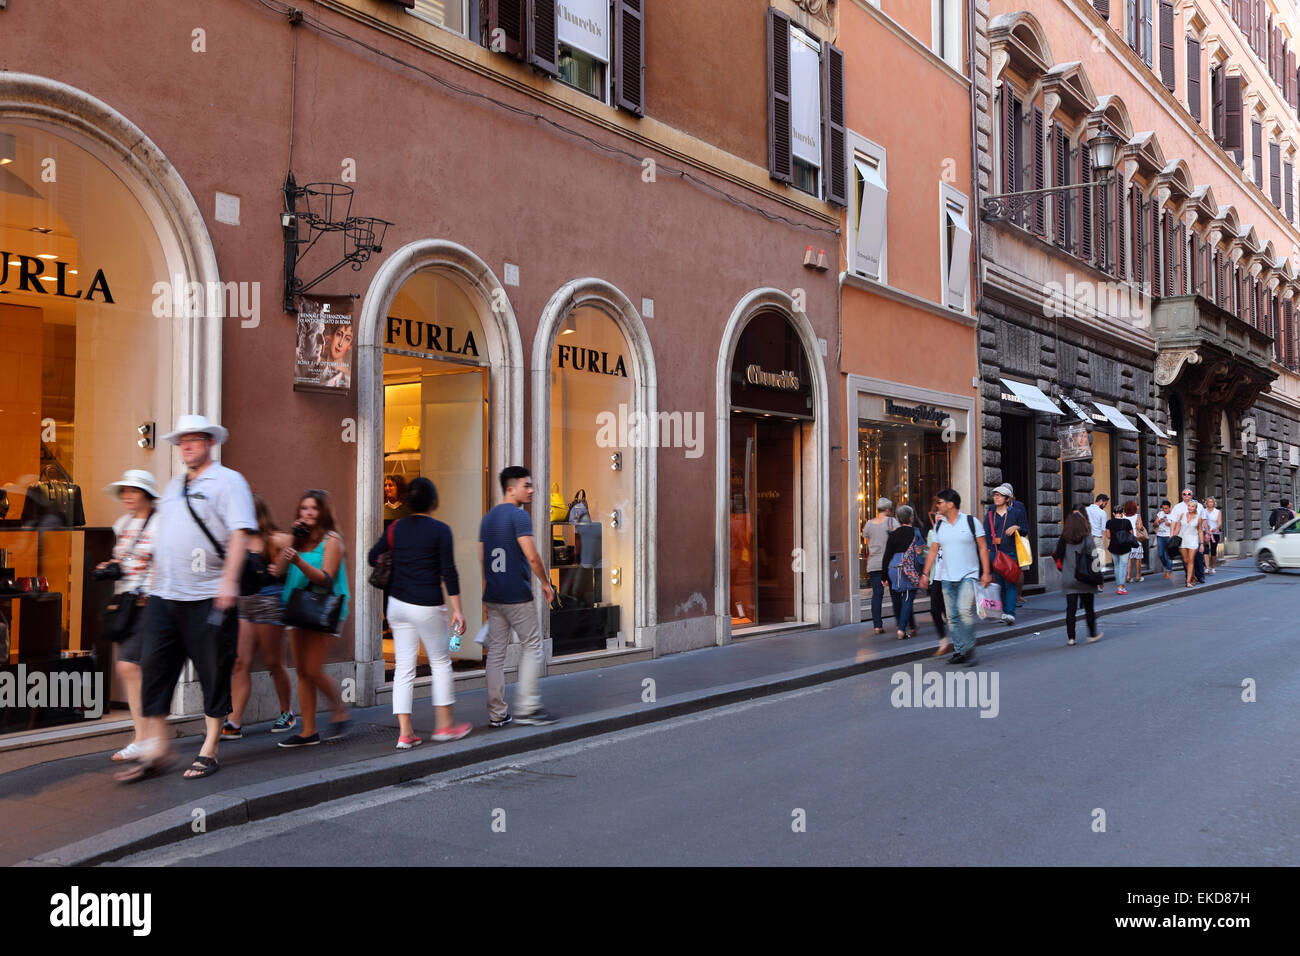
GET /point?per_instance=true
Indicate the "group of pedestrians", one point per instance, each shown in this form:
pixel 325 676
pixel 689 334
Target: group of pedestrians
pixel 202 572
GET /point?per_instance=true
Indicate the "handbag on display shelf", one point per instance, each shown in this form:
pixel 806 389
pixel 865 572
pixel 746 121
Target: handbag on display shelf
pixel 559 510
pixel 578 510
pixel 410 438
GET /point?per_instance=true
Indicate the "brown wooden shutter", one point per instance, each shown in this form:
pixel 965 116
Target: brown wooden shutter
pixel 1257 151
pixel 1218 279
pixel 1139 233
pixel 1009 177
pixel 1085 204
pixel 1132 26
pixel 629 56
pixel 1157 243
pixel 543 40
pixel 1288 73
pixel 1288 192
pixel 1247 21
pixel 1275 173
pixel 507 17
pixel 780 155
pixel 1101 229
pixel 835 171
pixel 1167 44
pixel 1040 174
pixel 1194 77
pixel 1121 240
pixel 1232 116
pixel 1061 171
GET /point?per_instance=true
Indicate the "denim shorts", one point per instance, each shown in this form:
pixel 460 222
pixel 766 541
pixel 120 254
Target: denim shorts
pixel 264 607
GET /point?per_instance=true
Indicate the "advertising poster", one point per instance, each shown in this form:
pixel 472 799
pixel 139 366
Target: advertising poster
pixel 323 357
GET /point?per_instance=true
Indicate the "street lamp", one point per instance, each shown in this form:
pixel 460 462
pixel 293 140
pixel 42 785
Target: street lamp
pixel 1104 147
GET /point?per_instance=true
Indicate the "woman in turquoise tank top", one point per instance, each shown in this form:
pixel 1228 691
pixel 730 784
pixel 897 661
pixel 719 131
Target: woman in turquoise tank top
pixel 315 561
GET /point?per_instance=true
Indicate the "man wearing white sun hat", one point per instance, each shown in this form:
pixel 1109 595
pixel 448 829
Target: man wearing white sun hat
pixel 204 516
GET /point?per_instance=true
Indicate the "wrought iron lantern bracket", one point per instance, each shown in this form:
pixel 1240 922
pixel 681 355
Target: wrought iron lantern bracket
pixel 317 210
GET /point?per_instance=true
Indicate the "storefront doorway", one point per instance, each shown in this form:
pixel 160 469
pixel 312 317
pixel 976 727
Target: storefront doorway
pixel 436 424
pixel 770 427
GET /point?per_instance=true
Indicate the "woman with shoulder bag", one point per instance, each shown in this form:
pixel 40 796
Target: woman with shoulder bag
pixel 938 611
pixel 423 561
pixel 131 567
pixel 261 624
pixel 1074 545
pixel 314 561
pixel 1134 571
pixel 1005 520
pixel 875 533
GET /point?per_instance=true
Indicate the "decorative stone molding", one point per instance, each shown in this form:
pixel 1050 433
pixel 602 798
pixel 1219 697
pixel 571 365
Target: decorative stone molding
pixel 1170 363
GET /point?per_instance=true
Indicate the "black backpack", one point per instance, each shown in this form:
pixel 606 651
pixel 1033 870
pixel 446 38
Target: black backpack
pixel 1084 572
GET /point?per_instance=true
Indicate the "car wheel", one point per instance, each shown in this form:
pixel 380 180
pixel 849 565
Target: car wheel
pixel 1266 562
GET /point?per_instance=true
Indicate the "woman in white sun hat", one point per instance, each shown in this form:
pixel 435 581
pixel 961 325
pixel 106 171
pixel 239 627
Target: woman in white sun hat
pixel 133 555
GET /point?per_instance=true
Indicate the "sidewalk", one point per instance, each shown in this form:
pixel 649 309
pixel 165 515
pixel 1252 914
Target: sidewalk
pixel 70 811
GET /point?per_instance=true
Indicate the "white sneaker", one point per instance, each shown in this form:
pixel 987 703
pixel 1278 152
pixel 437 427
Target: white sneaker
pixel 130 752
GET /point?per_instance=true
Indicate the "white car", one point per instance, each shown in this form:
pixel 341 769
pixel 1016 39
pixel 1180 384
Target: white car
pixel 1279 549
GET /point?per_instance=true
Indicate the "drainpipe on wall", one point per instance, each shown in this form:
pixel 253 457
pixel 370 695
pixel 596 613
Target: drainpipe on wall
pixel 976 431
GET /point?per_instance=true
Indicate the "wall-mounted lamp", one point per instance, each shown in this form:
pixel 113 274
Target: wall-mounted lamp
pixel 146 432
pixel 614 518
pixel 616 576
pixel 8 143
pixel 569 326
pixel 616 461
pixel 1010 206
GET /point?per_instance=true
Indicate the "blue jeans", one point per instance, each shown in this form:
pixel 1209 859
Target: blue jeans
pixel 903 601
pixel 1009 594
pixel 876 579
pixel 1164 555
pixel 959 598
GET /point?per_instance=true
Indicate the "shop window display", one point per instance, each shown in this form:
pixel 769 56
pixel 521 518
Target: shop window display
pixel 86 360
pixel 906 465
pixel 591 500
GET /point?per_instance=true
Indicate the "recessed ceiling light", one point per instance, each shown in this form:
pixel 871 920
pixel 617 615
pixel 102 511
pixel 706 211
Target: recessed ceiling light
pixel 41 229
pixel 72 272
pixel 46 255
pixel 8 148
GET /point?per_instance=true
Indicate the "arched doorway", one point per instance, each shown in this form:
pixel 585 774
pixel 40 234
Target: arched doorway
pixel 440 394
pixel 106 341
pixel 771 542
pixel 593 378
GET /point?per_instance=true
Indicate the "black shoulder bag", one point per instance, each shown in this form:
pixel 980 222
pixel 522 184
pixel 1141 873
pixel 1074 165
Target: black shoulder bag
pixel 123 609
pixel 253 577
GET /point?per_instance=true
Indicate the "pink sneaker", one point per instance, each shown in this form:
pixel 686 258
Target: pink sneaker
pixel 1121 590
pixel 407 743
pixel 454 732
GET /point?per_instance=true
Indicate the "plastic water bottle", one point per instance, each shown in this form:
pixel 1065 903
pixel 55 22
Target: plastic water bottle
pixel 456 631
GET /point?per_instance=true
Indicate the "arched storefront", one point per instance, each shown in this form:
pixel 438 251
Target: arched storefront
pixel 102 337
pixel 595 437
pixel 440 394
pixel 772 479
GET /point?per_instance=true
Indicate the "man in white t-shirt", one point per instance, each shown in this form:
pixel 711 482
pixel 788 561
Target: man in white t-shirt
pixel 1097 513
pixel 964 557
pixel 1179 513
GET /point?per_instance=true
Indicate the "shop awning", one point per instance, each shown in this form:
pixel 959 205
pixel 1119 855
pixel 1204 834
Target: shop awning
pixel 1069 403
pixel 1116 417
pixel 1032 396
pixel 1155 429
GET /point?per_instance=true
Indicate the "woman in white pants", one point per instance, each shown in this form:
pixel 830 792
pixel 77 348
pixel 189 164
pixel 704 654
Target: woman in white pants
pixel 423 563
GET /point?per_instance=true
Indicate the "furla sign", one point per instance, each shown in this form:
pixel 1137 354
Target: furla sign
pixel 429 337
pixel 19 273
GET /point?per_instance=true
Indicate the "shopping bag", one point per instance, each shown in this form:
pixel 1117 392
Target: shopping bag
pixel 1023 555
pixel 988 601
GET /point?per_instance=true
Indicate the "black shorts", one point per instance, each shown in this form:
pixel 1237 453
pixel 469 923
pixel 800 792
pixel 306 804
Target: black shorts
pixel 175 630
pixel 131 650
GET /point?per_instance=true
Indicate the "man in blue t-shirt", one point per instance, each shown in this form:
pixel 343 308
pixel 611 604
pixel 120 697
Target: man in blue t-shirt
pixel 507 554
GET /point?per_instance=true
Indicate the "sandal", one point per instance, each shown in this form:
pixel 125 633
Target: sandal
pixel 944 648
pixel 130 752
pixel 203 766
pixel 143 770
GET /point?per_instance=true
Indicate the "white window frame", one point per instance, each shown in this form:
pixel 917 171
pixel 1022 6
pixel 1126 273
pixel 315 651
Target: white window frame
pixel 946 43
pixel 464 17
pixel 607 95
pixel 862 150
pixel 954 208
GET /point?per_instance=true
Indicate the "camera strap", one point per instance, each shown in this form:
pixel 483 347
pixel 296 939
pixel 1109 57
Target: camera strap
pixel 185 491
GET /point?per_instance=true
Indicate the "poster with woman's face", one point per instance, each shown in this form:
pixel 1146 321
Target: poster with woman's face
pixel 323 357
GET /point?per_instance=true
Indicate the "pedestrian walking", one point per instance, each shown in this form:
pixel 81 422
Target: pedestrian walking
pixel 313 562
pixel 938 610
pixel 1213 533
pixel 1075 545
pixel 204 518
pixel 261 626
pixel 1281 516
pixel 507 553
pixel 964 558
pixel 1097 516
pixel 1133 572
pixel 131 569
pixel 1189 530
pixel 1163 524
pixel 423 563
pixel 1006 519
pixel 1117 536
pixel 875 535
pixel 899 540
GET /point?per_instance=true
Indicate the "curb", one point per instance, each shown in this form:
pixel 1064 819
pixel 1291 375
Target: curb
pixel 284 794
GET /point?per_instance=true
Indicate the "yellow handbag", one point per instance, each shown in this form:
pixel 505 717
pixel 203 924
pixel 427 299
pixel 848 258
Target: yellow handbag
pixel 1024 557
pixel 559 507
pixel 410 438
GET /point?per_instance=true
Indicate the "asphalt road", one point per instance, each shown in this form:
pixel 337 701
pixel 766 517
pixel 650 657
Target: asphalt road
pixel 1145 733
